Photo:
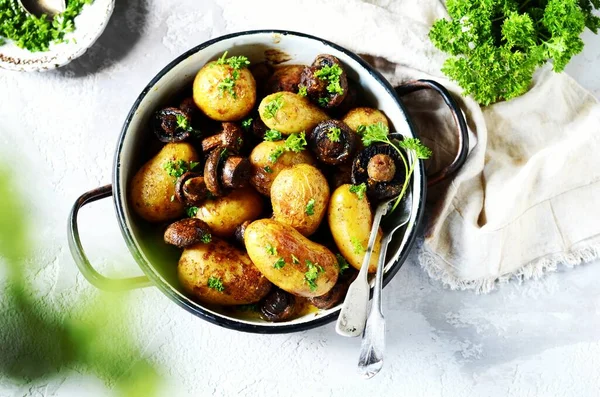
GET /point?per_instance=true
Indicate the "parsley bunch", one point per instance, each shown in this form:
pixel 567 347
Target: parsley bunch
pixel 236 63
pixel 495 46
pixel 33 33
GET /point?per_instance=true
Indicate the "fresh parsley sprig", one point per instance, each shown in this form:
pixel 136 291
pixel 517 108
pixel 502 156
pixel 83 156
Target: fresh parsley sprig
pixel 414 149
pixel 273 106
pixel 294 143
pixel 332 74
pixel 496 46
pixel 236 63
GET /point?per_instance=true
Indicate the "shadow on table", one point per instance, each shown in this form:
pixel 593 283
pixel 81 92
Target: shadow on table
pixel 123 31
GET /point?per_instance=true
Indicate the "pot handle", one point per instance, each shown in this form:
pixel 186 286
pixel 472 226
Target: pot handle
pixel 95 278
pixel 459 120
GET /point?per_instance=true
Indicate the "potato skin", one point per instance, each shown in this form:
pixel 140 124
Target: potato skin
pixel 259 158
pixel 350 220
pixel 364 116
pixel 225 213
pixel 242 281
pixel 297 113
pixel 221 105
pixel 152 187
pixel 291 191
pixel 287 242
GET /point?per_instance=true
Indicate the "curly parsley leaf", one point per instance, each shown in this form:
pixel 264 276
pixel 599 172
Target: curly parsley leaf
pixel 302 90
pixel 273 106
pixel 216 284
pixel 310 207
pixel 273 135
pixel 176 168
pixel 334 134
pixel 246 124
pixel 496 46
pixel 359 190
pixel 191 212
pixel 312 274
pixel 280 263
pixel 332 74
pixel 342 263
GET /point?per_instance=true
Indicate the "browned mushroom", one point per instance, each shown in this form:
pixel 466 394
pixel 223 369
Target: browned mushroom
pixel 171 125
pixel 325 81
pixel 187 232
pixel 381 168
pixel 190 189
pixel 261 72
pixel 278 305
pixel 349 101
pixel 239 232
pixel 333 142
pixel 188 106
pixel 236 172
pixel 285 78
pixel 337 293
pixel 211 171
pixel 366 159
pixel 231 137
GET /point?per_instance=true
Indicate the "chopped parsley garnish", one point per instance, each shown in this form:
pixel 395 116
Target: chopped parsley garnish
pixel 334 134
pixel 273 106
pixel 236 62
pixel 252 307
pixel 227 84
pixel 183 123
pixel 193 165
pixel 414 148
pixel 359 190
pixel 246 124
pixel 206 238
pixel 295 260
pixel 294 143
pixel 279 263
pixel 33 33
pixel 273 135
pixel 302 90
pixel 312 274
pixel 342 263
pixel 176 168
pixel 216 284
pixel 310 207
pixel 360 130
pixel 224 153
pixel 357 245
pixel 323 102
pixel 268 169
pixel 332 74
pixel 192 211
pixel 271 250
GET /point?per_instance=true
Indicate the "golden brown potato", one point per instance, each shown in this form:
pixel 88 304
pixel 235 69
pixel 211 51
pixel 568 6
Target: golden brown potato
pixel 221 104
pixel 153 189
pixel 350 220
pixel 290 260
pixel 364 116
pixel 290 113
pixel 299 196
pixel 226 213
pixel 218 273
pixel 285 78
pixel 264 171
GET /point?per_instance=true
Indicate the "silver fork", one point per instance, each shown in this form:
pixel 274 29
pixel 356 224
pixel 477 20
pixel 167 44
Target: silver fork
pixel 373 342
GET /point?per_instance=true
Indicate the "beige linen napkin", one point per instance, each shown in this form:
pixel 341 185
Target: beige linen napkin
pixel 528 197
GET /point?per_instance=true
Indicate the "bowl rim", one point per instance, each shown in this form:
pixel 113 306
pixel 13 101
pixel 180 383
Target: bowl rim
pixel 167 288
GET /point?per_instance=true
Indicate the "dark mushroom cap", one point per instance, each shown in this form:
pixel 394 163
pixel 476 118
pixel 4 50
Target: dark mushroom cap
pixel 285 78
pixel 278 305
pixel 337 293
pixel 236 172
pixel 349 101
pixel 316 87
pixel 188 106
pixel 187 232
pixel 166 128
pixel 239 232
pixel 378 190
pixel 211 171
pixel 328 151
pixel 231 137
pixel 190 189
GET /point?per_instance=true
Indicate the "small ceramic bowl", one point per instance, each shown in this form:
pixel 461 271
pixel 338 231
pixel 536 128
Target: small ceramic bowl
pixel 159 261
pixel 89 25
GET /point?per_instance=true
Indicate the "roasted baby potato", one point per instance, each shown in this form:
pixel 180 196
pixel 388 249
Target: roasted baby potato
pixel 218 273
pixel 364 116
pixel 350 221
pixel 285 78
pixel 152 188
pixel 224 214
pixel 264 171
pixel 290 113
pixel 222 97
pixel 289 260
pixel 299 196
